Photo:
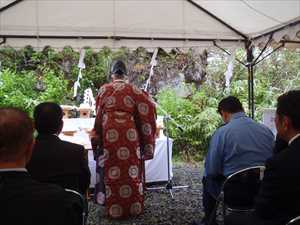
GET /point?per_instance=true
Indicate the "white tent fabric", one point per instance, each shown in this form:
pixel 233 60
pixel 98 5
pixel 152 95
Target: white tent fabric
pixel 254 17
pixel 147 23
pixel 4 3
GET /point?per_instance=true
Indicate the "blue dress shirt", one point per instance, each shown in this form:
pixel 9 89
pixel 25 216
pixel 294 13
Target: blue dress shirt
pixel 240 143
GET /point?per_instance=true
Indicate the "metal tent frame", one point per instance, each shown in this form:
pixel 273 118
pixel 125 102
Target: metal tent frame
pixel 250 62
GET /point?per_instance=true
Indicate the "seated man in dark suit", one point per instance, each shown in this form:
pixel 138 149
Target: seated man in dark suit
pixel 54 160
pixel 24 200
pixel 279 198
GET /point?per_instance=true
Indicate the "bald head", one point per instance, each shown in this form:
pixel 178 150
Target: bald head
pixel 16 134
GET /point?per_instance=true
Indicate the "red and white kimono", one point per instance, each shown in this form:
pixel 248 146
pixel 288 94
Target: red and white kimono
pixel 125 123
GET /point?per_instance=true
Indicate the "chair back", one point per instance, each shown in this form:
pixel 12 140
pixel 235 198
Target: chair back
pixel 78 204
pixel 241 187
pixel 294 221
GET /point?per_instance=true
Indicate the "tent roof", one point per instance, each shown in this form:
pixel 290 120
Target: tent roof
pixel 254 17
pixel 147 23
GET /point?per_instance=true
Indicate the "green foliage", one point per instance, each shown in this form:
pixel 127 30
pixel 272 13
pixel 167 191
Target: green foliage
pixel 56 88
pixel 22 71
pixel 197 115
pixel 97 67
pixel 197 112
pixel 278 73
pixel 19 89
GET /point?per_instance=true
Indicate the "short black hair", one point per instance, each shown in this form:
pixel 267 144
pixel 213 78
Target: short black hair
pixel 118 68
pixel 288 105
pixel 16 130
pixel 230 104
pixel 48 117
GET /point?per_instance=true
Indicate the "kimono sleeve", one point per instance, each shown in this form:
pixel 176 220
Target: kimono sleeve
pixel 96 135
pixel 146 124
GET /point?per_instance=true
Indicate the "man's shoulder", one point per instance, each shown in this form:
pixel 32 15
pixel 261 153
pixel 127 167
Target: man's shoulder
pixel 33 189
pixel 48 191
pixel 221 130
pixel 71 148
pixel 248 122
pixel 225 127
pixel 262 126
pixel 296 144
pixel 26 201
pixel 71 145
pixel 288 157
pixel 57 143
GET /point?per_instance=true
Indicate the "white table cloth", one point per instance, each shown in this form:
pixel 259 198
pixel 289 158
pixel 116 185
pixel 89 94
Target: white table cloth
pixel 76 124
pixel 156 169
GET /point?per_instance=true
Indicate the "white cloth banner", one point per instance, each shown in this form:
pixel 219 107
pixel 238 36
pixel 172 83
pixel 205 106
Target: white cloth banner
pixel 269 119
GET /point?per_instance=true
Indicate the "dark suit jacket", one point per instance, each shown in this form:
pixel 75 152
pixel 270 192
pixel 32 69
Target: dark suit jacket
pixel 59 162
pixel 279 197
pixel 25 201
pixel 280 145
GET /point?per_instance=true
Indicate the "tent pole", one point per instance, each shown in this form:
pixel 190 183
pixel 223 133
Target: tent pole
pixel 252 90
pixel 249 89
pixel 250 66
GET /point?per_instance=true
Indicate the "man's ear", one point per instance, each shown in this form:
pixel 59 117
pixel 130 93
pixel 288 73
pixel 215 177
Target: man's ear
pixel 287 123
pixel 225 116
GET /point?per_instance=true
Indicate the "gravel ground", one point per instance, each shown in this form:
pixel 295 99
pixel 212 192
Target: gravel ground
pixel 160 208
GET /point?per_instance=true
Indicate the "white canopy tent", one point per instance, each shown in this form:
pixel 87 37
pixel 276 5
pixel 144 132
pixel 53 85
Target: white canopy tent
pixel 153 23
pixel 147 23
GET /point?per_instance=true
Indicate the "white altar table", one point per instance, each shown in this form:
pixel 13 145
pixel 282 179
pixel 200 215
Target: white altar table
pixel 156 169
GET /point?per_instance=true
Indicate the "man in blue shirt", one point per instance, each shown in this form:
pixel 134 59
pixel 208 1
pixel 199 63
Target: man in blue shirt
pixel 278 200
pixel 239 144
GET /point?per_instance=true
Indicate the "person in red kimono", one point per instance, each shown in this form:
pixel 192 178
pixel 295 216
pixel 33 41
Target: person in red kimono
pixel 123 137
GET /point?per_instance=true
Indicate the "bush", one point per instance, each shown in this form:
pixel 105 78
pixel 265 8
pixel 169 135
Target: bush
pixel 20 89
pixel 198 117
pixel 29 77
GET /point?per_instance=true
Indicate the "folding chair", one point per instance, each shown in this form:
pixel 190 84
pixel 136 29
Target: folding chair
pixel 80 204
pixel 294 221
pixel 239 190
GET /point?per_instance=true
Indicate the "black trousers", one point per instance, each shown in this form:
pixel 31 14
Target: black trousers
pixel 211 190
